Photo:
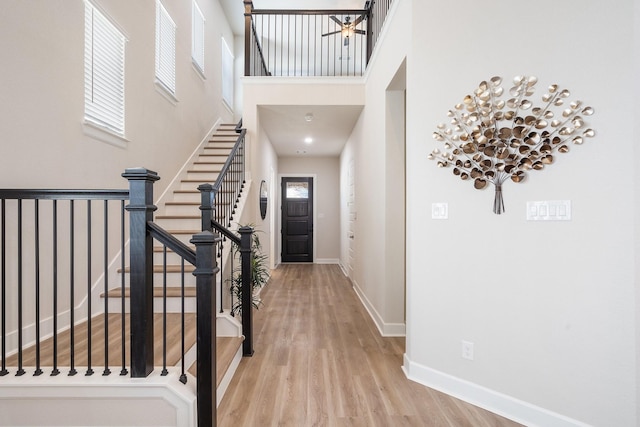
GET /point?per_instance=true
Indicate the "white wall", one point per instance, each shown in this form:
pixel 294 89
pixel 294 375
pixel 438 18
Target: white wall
pixel 550 306
pixel 326 186
pixel 42 111
pixel 376 149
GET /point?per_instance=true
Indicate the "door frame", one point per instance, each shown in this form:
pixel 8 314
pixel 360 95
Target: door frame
pixel 315 209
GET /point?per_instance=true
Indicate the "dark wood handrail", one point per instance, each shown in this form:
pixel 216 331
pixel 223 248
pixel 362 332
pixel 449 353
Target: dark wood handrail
pixel 59 194
pixel 309 12
pixel 171 242
pixel 225 232
pixel 230 159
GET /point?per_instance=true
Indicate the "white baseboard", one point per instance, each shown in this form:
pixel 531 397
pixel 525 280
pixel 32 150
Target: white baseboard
pixel 491 400
pixel 386 329
pixel 327 261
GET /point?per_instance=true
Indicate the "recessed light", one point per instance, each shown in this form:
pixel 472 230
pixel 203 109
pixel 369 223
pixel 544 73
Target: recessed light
pixel 308 140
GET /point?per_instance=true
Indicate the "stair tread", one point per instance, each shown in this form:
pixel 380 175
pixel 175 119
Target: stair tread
pixel 226 349
pixel 198 191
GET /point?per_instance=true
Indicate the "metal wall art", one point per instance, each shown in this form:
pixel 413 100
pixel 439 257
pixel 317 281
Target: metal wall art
pixel 491 140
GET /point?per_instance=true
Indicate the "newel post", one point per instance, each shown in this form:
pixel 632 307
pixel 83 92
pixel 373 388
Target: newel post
pixel 207 196
pixel 248 8
pixel 246 259
pixel 141 210
pixel 205 271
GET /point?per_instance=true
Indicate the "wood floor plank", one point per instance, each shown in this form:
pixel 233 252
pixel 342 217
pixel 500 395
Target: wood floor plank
pixel 320 361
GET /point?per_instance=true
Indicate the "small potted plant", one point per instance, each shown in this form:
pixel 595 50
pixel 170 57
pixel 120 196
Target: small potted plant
pixel 259 276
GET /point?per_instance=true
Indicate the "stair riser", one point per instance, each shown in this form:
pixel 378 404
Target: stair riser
pixel 173 279
pixel 174 305
pixel 214 167
pixel 194 185
pixel 172 258
pixel 186 197
pixel 182 209
pixel 207 176
pixel 216 151
pixel 179 223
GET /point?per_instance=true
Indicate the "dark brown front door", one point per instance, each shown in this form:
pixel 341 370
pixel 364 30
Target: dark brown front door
pixel 297 219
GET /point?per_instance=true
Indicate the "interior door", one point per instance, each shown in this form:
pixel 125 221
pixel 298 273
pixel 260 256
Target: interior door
pixel 297 219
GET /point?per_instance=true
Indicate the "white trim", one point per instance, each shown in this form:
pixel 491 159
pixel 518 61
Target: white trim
pixel 197 69
pixel 98 394
pixel 163 90
pixel 491 400
pixel 327 261
pixel 104 134
pixel 385 329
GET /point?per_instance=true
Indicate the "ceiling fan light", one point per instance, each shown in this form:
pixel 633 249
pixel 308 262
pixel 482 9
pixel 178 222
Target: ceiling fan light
pixel 347 32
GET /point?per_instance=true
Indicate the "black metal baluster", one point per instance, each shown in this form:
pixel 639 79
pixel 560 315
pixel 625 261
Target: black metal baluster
pixel 123 337
pixel 3 226
pixel 36 207
pixel 20 370
pixel 89 328
pixel 219 255
pixel 106 371
pixel 55 371
pixel 72 307
pixel 295 44
pixel 231 281
pixel 164 311
pixel 183 375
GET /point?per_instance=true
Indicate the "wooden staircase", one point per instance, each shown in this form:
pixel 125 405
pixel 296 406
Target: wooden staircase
pixel 180 216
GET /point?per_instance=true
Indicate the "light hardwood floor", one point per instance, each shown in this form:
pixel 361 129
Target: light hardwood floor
pixel 320 361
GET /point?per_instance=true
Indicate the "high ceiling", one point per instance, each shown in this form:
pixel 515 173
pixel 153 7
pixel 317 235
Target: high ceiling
pixel 286 125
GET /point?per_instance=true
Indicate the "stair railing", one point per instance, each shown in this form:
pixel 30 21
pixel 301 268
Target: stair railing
pixel 293 42
pixel 227 189
pixel 143 232
pixel 32 285
pixel 219 202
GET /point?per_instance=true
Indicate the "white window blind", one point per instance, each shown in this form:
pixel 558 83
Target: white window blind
pixel 197 37
pixel 227 74
pixel 165 49
pixel 103 72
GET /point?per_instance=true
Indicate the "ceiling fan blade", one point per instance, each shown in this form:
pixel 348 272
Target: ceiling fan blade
pixel 360 31
pixel 334 32
pixel 359 20
pixel 337 21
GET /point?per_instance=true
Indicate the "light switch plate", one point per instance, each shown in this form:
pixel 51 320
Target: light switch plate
pixel 549 210
pixel 439 211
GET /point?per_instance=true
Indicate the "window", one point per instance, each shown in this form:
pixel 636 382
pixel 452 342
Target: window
pixel 227 74
pixel 197 37
pixel 103 72
pixel 297 190
pixel 165 49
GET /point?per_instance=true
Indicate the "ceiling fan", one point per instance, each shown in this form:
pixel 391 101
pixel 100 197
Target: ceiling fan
pixel 347 28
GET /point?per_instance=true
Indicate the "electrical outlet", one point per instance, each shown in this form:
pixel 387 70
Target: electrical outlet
pixel 467 350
